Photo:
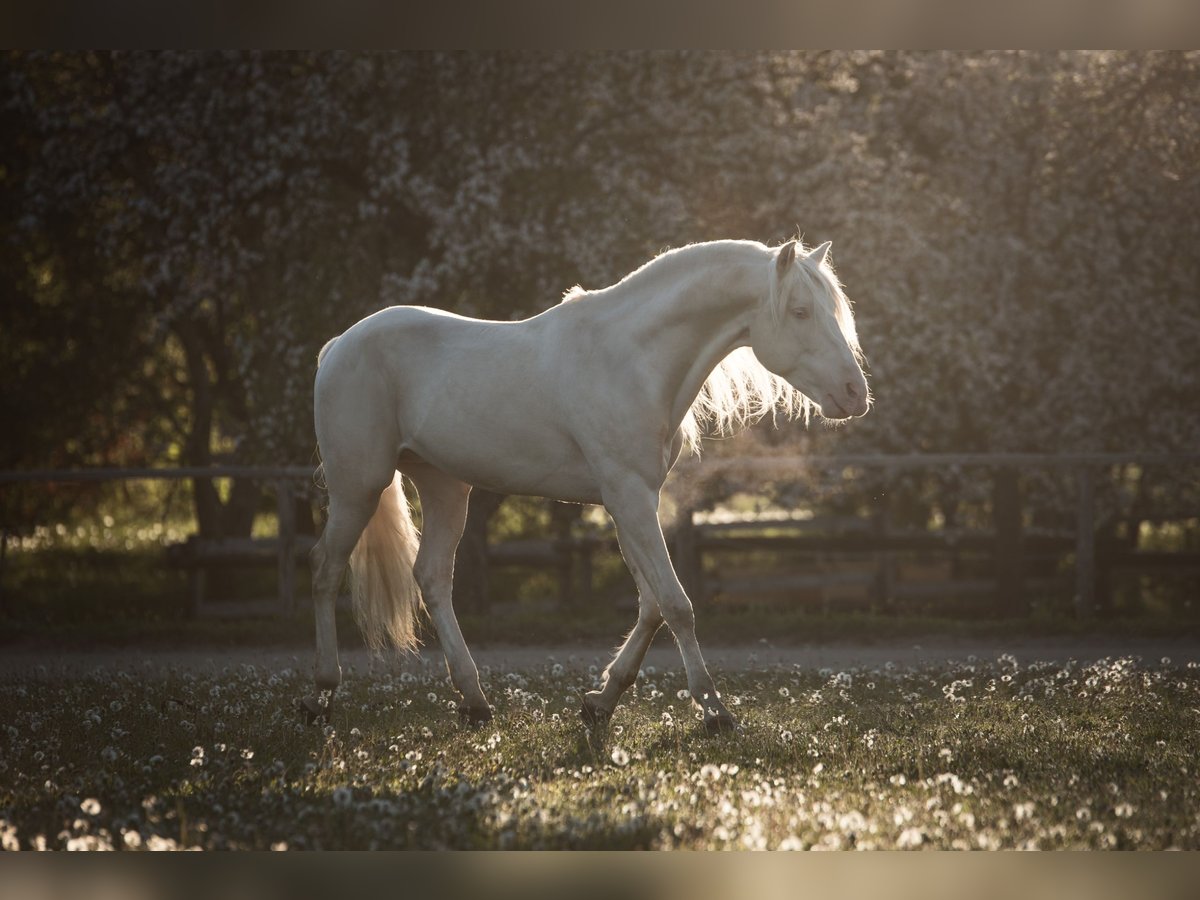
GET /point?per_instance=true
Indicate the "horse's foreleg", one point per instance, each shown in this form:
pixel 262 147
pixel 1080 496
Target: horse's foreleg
pixel 598 706
pixel 634 507
pixel 444 514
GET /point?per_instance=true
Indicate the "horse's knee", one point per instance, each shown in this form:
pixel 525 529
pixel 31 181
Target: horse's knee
pixel 650 616
pixel 676 609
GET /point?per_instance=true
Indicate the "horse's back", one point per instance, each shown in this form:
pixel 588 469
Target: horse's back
pixel 483 401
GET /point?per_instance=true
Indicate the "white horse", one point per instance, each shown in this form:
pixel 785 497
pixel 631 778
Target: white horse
pixel 589 402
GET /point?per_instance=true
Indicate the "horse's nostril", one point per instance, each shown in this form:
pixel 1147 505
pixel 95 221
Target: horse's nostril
pixel 851 390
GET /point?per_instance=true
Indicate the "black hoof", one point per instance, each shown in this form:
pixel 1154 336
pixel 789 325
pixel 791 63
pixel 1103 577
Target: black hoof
pixel 312 711
pixel 722 723
pixel 593 716
pixel 473 716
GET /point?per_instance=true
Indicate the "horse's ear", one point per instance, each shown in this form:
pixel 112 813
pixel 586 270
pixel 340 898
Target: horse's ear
pixel 785 257
pixel 818 255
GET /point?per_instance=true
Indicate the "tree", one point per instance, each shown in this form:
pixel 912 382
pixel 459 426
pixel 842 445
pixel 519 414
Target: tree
pixel 233 205
pixel 191 227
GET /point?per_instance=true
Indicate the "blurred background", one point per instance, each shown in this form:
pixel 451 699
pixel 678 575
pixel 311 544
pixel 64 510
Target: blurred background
pixel 1019 231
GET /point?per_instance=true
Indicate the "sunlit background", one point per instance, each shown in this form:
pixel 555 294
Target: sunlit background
pixel 182 232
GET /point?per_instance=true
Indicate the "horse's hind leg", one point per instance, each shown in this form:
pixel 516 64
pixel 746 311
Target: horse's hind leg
pixel 349 513
pixel 444 514
pixel 598 706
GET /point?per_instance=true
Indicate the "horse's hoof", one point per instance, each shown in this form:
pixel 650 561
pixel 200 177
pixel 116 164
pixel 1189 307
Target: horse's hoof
pixel 722 723
pixel 312 710
pixel 593 716
pixel 474 716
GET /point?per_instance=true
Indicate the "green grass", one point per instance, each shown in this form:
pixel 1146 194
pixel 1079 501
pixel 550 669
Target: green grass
pixel 983 755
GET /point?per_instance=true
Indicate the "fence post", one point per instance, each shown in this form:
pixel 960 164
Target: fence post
pixel 3 561
pixel 1085 545
pixel 883 586
pixel 561 517
pixel 687 559
pixel 197 588
pixel 287 546
pixel 1009 558
pixel 585 548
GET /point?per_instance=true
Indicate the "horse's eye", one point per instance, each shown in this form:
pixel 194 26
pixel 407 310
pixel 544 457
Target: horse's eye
pixel 800 312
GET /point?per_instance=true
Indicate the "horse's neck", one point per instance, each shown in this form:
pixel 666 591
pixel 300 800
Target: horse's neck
pixel 697 319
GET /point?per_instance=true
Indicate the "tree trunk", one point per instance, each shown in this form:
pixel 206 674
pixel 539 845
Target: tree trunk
pixel 214 519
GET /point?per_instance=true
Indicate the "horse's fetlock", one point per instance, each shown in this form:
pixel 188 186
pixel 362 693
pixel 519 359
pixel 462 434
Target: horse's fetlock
pixel 328 679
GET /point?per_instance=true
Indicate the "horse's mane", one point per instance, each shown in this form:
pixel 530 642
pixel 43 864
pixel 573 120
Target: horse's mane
pixel 740 391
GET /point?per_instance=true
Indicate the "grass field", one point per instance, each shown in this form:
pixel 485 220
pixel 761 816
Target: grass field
pixel 987 754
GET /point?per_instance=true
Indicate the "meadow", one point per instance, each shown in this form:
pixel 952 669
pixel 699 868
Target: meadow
pixel 976 754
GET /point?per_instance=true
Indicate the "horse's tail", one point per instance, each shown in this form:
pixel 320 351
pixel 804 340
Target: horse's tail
pixel 386 597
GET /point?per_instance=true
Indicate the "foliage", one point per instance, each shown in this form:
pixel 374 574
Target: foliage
pixel 978 754
pixel 186 229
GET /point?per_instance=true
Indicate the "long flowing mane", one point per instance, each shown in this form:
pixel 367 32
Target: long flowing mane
pixel 740 391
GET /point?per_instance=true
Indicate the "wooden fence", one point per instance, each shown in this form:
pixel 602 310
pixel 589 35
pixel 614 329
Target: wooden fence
pixel 572 558
pixel 197 556
pixel 1007 542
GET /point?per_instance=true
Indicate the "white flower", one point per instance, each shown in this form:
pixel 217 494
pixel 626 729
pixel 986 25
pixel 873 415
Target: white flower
pixel 620 757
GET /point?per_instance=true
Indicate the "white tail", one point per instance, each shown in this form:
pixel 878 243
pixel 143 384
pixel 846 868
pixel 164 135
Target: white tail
pixel 382 584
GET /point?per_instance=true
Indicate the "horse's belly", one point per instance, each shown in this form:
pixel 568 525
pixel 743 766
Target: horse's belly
pixel 539 465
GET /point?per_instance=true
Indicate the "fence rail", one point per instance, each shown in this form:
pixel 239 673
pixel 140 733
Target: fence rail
pixel 74 476
pixel 933 460
pixel 1007 541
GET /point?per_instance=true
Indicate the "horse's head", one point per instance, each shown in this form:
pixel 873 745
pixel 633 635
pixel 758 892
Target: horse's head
pixel 804 333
